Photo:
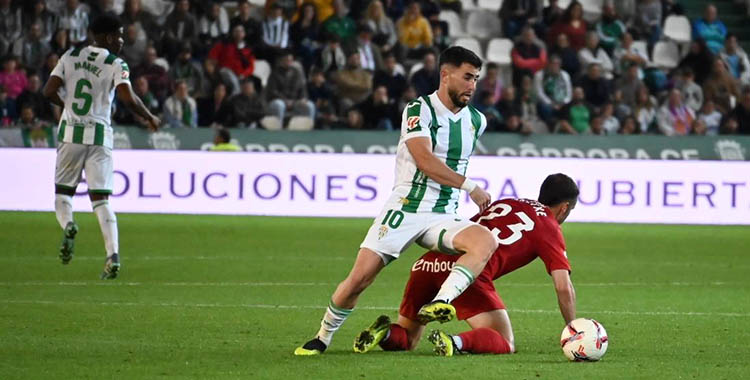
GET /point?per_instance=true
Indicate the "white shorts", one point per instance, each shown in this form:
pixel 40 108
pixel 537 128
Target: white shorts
pixel 393 231
pixel 95 160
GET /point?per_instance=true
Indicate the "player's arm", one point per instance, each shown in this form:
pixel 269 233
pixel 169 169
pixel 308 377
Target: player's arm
pixel 566 294
pixel 420 149
pixel 126 95
pixel 50 90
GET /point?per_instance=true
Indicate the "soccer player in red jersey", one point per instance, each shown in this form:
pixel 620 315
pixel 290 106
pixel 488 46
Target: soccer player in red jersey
pixel 525 229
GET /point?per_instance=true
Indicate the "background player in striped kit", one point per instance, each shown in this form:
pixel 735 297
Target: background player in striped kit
pixel 90 76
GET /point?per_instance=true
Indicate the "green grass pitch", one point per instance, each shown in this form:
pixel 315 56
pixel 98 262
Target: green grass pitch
pixel 231 297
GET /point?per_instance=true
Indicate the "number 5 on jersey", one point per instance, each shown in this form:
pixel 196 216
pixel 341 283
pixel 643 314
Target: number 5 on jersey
pixel 81 94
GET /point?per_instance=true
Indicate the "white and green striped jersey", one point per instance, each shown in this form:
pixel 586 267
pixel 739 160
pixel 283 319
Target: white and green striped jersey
pixel 453 136
pixel 90 75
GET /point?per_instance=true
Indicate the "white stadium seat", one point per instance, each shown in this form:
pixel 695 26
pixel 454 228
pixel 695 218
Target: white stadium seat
pixel 492 5
pixel 468 5
pixel 455 27
pixel 592 10
pixel 483 25
pixel 498 51
pixel 561 3
pixel 414 69
pixel 642 47
pixel 262 71
pixel 677 29
pixel 471 44
pixel 666 55
pixel 271 123
pixel 300 123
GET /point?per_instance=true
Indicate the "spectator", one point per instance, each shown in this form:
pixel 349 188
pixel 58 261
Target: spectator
pixel 649 21
pixel 253 30
pixel 140 87
pixel 699 59
pixel 622 109
pixel 593 53
pixel 32 96
pixel 484 103
pixel 409 94
pixel 629 84
pixel 720 87
pixel 134 48
pixel 213 75
pixel 181 25
pixel 645 111
pixel 710 117
pixel 144 21
pixel 223 142
pixel 385 32
pixel 28 119
pixel 394 8
pixel 185 69
pixel 629 126
pixel 369 53
pixel 510 109
pixel 275 33
pixel 596 126
pixel 576 116
pixel 414 32
pixel 572 25
pixel 671 7
pixel 530 107
pixel 553 89
pixel 710 29
pixel 596 89
pixel 305 34
pixel 155 74
pixel 551 14
pixel 7 108
pixel 354 119
pixel 626 55
pixel 736 59
pixel 391 78
pixel 528 56
pixel 74 18
pixel 234 54
pixel 38 12
pixel 247 106
pixel 339 23
pixel 380 111
pixel 610 29
pixel 331 58
pixel 675 118
pixel 60 42
pixel 180 109
pixel 321 95
pixel 32 49
pixel 516 14
pixel 352 84
pixel 216 109
pixel 100 7
pixel 49 64
pixel 287 90
pixel 427 79
pixel 13 79
pixel 440 38
pixel 491 82
pixel 430 8
pixel 610 124
pixel 289 7
pixel 214 24
pixel 738 120
pixel 10 25
pixel 568 55
pixel 691 92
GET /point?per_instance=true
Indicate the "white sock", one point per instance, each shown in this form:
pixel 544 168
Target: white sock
pixel 458 280
pixel 64 209
pixel 332 320
pixel 108 224
pixel 458 342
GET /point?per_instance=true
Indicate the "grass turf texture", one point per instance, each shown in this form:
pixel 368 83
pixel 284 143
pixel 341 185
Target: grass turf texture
pixel 231 297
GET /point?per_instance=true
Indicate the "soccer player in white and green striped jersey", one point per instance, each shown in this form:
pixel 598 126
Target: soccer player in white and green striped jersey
pixel 438 135
pixel 90 76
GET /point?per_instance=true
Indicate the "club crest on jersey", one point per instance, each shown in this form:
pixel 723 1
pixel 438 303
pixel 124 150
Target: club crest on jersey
pixel 125 74
pixel 382 232
pixel 412 122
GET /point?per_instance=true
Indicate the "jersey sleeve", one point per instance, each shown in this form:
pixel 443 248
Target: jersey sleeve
pixel 552 249
pixel 121 73
pixel 59 70
pixel 416 120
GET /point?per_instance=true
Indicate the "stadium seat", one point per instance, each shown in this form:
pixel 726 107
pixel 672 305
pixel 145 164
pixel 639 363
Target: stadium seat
pixel 592 10
pixel 677 29
pixel 471 44
pixel 258 3
pixel 455 28
pixel 300 123
pixel 642 47
pixel 163 63
pixel 561 3
pixel 484 25
pixel 492 5
pixel 271 123
pixel 262 71
pixel 498 51
pixel 414 69
pixel 666 55
pixel 468 5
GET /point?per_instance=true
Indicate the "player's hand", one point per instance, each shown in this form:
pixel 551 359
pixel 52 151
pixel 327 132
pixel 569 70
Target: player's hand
pixel 481 198
pixel 153 123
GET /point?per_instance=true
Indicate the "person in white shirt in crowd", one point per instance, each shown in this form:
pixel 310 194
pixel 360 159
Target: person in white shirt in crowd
pixel 593 53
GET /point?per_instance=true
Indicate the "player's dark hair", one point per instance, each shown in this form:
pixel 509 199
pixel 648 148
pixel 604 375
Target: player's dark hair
pixel 457 56
pixel 106 23
pixel 558 188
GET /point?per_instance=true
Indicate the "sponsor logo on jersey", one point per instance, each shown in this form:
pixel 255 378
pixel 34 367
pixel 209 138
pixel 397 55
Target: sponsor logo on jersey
pixel 125 74
pixel 412 122
pixel 432 266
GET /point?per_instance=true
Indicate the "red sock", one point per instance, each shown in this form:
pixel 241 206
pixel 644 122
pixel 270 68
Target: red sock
pixel 397 341
pixel 484 341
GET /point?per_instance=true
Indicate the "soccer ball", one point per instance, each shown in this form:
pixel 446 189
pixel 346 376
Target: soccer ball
pixel 584 339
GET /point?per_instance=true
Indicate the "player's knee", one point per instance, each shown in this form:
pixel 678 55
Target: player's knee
pixel 483 244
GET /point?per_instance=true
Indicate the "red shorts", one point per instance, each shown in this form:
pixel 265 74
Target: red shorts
pixel 428 274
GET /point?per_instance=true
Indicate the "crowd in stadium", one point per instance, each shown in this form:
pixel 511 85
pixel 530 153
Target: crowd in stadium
pixel 354 64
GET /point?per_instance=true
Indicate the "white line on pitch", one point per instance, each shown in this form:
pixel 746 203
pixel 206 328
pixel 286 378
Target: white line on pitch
pixel 393 308
pixel 500 285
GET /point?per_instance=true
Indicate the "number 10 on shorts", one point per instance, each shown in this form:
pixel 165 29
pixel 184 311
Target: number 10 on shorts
pixel 393 218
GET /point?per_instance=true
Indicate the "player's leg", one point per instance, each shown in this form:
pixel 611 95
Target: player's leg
pixel 68 167
pixel 491 334
pixel 403 336
pixel 99 169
